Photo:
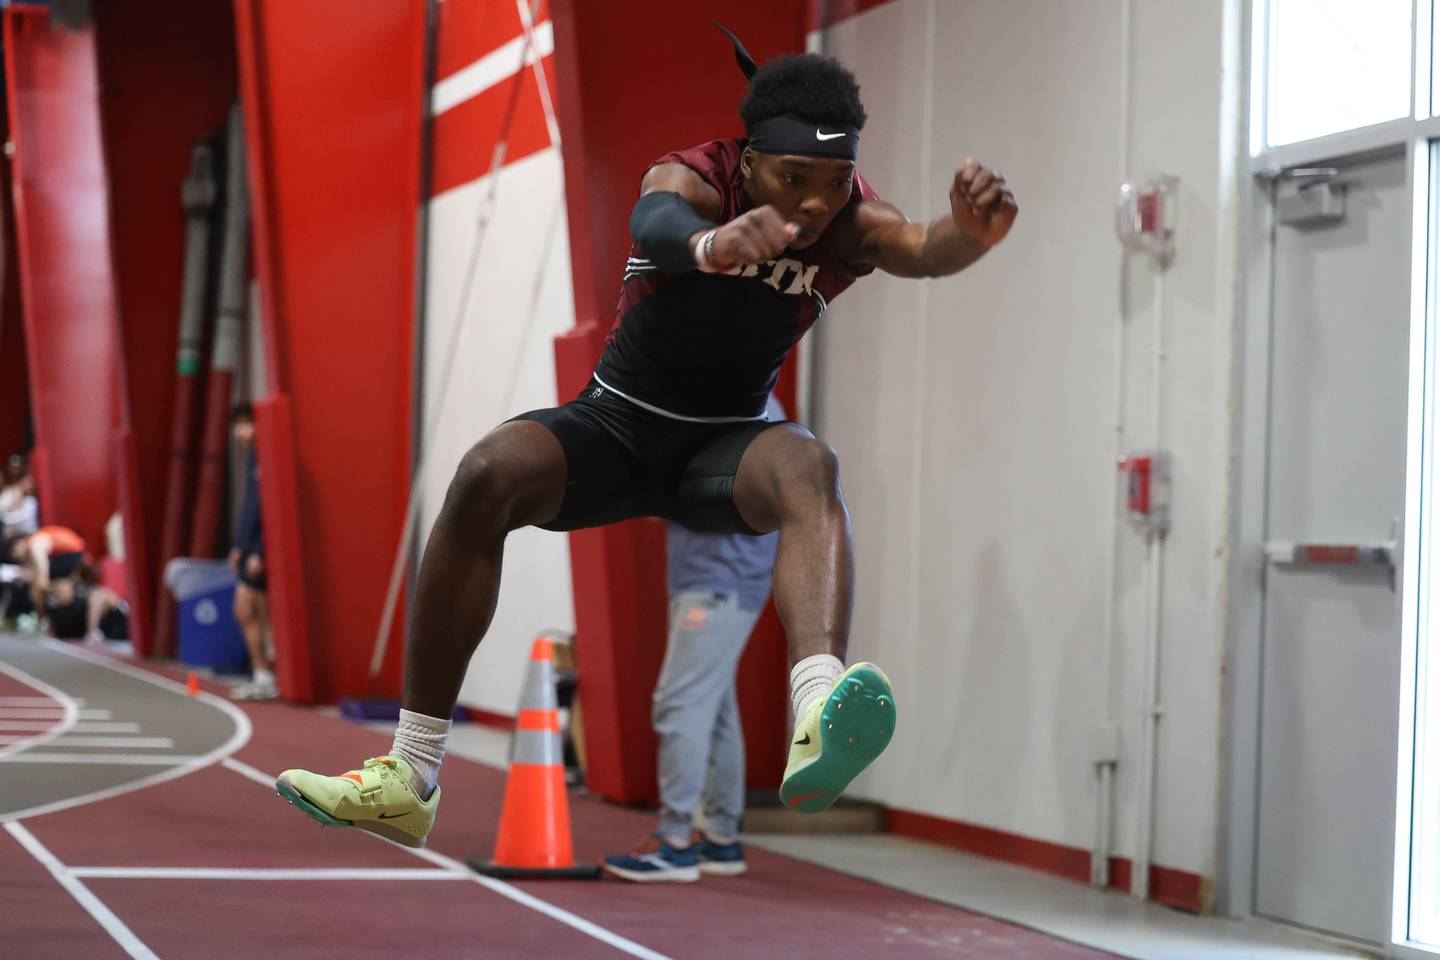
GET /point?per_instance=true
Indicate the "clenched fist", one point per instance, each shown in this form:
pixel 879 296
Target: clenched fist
pixel 981 203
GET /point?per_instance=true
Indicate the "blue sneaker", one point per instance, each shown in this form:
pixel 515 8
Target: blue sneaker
pixel 656 861
pixel 721 859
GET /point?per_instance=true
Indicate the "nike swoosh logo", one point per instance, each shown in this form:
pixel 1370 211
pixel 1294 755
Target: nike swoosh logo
pixel 827 136
pixel 801 743
pixel 389 816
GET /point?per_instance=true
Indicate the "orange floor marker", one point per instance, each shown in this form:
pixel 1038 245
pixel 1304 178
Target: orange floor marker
pixel 534 837
pixel 192 683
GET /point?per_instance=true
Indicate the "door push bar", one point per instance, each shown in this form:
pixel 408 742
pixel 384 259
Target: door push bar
pixel 1291 554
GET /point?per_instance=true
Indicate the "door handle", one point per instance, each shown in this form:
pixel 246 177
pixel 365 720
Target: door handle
pixel 1290 553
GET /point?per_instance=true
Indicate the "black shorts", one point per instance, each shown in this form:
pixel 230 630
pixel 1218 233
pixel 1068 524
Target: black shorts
pixel 115 624
pixel 62 565
pixel 254 583
pixel 67 622
pixel 625 461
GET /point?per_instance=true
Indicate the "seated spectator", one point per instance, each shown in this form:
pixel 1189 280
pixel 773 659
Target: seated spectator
pixel 14 590
pixel 19 510
pixel 50 553
pixel 80 607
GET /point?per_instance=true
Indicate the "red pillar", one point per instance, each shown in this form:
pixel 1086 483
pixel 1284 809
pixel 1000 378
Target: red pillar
pixel 14 381
pixel 332 93
pixel 167 70
pixel 67 285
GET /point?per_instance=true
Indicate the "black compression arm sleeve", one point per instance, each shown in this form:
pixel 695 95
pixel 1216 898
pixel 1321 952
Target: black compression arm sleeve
pixel 662 224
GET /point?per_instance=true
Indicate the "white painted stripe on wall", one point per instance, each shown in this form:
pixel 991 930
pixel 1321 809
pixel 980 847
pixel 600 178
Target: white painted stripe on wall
pixel 113 925
pixel 496 66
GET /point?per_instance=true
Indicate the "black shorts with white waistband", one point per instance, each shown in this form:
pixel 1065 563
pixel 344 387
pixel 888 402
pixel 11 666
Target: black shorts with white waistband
pixel 626 461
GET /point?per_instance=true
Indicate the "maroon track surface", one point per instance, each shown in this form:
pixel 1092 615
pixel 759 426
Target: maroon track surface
pixel 218 818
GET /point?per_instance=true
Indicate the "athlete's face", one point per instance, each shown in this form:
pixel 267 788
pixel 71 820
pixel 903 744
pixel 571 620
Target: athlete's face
pixel 807 191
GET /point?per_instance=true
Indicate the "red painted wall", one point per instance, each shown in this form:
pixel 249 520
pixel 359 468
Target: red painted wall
pixel 167 70
pixel 465 135
pixel 605 55
pixel 14 380
pixel 333 130
pixel 68 292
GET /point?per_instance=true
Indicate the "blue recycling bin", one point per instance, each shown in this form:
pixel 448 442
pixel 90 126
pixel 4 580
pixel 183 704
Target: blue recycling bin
pixel 205 595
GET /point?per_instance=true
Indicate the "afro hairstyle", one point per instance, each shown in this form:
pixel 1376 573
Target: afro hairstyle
pixel 813 87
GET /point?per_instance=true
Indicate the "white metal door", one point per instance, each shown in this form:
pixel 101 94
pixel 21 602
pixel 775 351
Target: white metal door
pixel 1336 476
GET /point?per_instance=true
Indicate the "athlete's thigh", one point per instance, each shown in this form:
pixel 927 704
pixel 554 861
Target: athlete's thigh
pixel 783 455
pixel 519 467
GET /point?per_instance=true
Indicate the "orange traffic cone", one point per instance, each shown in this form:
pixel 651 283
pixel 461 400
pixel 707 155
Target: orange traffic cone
pixel 192 683
pixel 534 838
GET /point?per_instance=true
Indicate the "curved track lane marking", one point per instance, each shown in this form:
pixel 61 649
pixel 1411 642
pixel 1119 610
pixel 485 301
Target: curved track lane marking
pixel 236 741
pixel 70 710
pixel 571 920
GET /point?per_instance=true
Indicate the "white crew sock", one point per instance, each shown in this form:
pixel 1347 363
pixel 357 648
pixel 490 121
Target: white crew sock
pixel 811 679
pixel 263 676
pixel 420 741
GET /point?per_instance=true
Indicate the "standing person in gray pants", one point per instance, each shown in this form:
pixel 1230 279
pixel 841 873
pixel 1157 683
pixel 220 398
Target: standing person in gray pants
pixel 718 586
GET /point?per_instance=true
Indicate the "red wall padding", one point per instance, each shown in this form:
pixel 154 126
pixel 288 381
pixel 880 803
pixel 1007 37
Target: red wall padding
pixel 67 287
pixel 465 136
pixel 167 69
pixel 605 55
pixel 332 96
pixel 14 381
pixel 295 659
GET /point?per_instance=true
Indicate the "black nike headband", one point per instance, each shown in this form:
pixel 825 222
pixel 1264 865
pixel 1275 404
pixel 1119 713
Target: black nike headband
pixel 792 135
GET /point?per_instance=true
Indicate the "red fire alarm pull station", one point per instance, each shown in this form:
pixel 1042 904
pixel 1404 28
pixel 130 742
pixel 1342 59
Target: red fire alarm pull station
pixel 1145 216
pixel 1147 491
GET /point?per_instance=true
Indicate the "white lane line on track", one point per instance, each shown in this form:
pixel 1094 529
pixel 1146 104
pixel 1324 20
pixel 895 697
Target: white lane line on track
pixel 497 886
pixel 49 713
pixel 113 925
pixel 32 702
pixel 81 727
pixel 188 761
pixel 262 873
pixel 183 765
pixel 144 743
pixel 68 711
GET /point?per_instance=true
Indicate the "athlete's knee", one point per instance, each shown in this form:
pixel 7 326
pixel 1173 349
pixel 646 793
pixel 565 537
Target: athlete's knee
pixel 482 495
pixel 814 471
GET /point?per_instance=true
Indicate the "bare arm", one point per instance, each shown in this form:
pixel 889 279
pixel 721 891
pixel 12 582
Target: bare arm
pixel 982 210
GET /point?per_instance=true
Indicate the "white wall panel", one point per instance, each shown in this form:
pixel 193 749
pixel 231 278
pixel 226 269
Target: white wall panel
pixel 973 414
pixel 521 299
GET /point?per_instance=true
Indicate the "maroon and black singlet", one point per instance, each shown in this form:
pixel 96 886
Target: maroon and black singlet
pixel 681 388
